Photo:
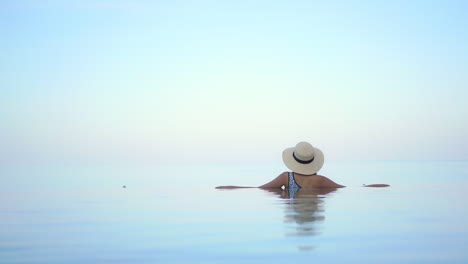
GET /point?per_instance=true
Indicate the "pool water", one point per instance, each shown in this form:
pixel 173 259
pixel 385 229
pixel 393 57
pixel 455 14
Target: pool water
pixel 160 220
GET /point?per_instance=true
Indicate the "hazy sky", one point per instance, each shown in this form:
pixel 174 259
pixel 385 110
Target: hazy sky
pixel 161 81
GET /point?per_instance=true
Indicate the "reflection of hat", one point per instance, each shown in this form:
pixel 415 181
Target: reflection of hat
pixel 303 158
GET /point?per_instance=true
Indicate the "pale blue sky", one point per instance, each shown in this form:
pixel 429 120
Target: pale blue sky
pixel 160 81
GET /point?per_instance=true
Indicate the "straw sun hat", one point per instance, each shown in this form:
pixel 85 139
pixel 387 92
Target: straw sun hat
pixel 303 158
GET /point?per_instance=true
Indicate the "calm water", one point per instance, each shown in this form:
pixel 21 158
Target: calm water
pixel 81 214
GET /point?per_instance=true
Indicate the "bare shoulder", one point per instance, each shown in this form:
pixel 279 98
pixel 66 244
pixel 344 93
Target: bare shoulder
pixel 278 182
pixel 325 182
pixel 283 177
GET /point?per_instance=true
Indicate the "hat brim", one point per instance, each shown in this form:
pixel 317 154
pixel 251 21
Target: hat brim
pixel 306 169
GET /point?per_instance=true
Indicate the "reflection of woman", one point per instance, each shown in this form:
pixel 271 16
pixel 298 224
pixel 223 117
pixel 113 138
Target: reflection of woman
pixel 303 211
pixel 304 161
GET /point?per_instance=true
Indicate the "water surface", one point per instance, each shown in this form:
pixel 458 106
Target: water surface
pixel 156 219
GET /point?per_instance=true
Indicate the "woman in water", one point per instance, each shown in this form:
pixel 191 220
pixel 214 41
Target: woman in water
pixel 304 161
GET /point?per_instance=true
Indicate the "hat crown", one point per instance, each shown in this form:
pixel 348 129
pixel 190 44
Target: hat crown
pixel 304 151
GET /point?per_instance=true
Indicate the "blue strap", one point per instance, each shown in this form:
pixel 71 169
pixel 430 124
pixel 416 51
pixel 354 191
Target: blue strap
pixel 292 182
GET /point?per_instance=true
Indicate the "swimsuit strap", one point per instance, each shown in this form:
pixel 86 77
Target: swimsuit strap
pixel 293 186
pixel 292 182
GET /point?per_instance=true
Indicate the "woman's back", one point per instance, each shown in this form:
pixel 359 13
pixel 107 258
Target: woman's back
pixel 314 181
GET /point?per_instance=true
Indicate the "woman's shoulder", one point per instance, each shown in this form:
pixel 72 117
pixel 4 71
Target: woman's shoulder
pixel 325 182
pixel 279 181
pixel 284 176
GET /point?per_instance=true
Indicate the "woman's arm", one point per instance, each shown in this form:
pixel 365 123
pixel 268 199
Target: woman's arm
pixel 278 182
pixel 232 187
pixel 327 183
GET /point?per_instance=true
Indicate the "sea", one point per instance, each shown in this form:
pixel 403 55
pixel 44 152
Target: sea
pixel 172 213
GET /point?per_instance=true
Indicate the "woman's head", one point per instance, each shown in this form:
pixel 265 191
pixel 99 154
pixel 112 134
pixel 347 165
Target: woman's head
pixel 303 158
